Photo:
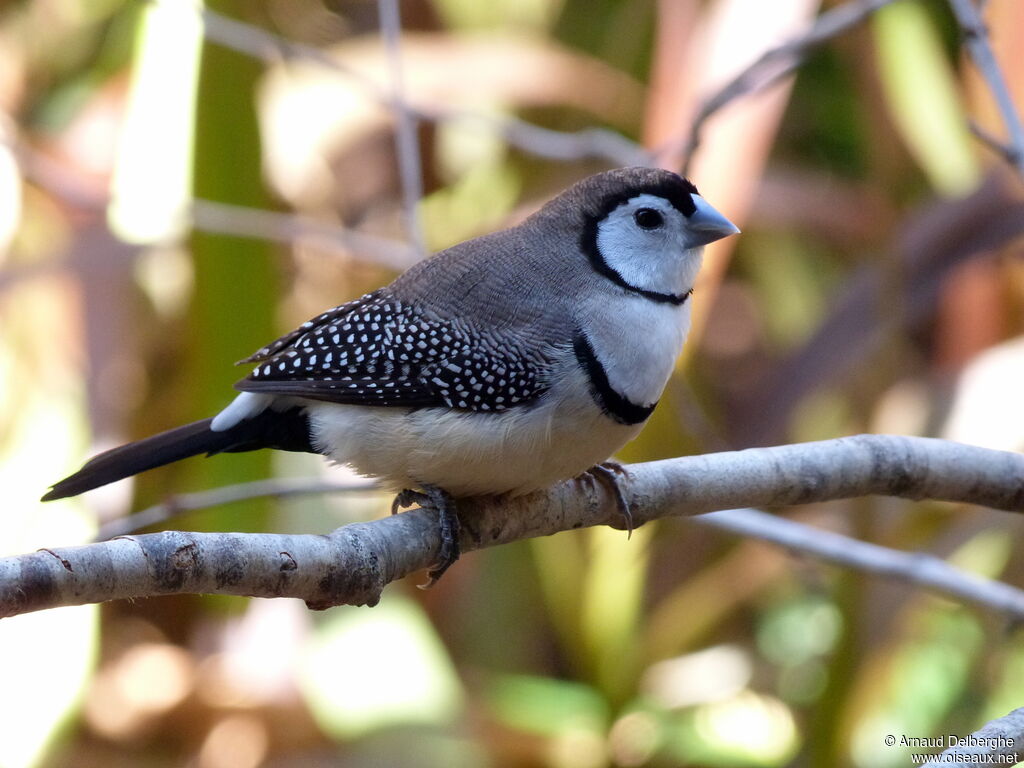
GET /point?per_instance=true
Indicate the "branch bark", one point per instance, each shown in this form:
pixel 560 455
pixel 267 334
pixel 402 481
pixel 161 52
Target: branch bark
pixel 997 743
pixel 918 568
pixel 354 563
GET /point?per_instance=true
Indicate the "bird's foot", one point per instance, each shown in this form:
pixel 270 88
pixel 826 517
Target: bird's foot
pixel 437 500
pixel 608 473
pixel 406 498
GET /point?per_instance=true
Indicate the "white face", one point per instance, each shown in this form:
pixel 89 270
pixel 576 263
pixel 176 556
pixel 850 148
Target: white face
pixel 651 244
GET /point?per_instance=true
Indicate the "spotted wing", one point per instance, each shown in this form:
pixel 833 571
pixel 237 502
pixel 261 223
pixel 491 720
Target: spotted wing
pixel 378 351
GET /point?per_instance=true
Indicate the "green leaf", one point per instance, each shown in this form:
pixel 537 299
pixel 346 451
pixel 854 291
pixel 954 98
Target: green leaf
pixel 547 706
pixel 920 87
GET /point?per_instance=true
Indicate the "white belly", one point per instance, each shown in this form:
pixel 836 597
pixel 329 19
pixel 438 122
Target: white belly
pixel 473 453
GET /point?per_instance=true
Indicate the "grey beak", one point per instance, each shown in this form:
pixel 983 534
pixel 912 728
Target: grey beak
pixel 707 225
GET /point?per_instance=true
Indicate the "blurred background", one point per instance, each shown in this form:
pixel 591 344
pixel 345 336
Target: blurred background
pixel 180 186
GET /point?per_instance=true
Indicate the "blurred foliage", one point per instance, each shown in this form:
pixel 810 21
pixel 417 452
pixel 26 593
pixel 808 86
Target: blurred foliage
pixel 235 281
pixel 874 218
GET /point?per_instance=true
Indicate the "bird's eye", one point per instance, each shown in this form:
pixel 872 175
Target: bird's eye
pixel 648 218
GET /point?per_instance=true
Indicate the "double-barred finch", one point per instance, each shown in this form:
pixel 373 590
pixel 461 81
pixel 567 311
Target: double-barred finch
pixel 501 365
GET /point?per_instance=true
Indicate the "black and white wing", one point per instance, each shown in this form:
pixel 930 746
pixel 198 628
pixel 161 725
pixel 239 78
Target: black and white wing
pixel 377 350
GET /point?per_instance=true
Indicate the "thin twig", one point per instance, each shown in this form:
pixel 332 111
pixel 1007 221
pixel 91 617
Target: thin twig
pixel 768 69
pixel 182 503
pixel 991 141
pixel 976 41
pixel 407 145
pixel 771 67
pixel 597 143
pixel 917 568
pixel 224 218
pixel 270 48
pixel 353 564
pixel 585 144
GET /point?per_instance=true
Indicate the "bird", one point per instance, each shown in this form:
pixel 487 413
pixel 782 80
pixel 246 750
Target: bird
pixel 501 365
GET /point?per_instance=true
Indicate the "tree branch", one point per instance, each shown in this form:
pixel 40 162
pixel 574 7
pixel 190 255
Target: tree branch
pixel 213 216
pixel 352 564
pixel 242 221
pixel 182 503
pixel 769 68
pixel 407 146
pixel 596 143
pixel 918 568
pixel 976 42
pixel 1000 738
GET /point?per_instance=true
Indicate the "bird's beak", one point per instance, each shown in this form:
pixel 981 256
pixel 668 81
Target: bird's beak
pixel 707 225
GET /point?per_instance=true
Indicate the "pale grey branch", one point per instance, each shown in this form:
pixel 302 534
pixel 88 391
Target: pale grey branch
pixel 407 145
pixel 976 42
pixel 229 494
pixel 996 743
pixel 991 141
pixel 238 220
pixel 918 568
pixel 352 564
pixel 768 69
pixel 223 218
pixel 266 46
pixel 587 143
pixel 597 143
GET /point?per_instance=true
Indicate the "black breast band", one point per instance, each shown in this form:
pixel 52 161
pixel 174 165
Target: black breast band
pixel 611 402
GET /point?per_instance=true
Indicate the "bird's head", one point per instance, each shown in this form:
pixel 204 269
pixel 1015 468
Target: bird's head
pixel 644 228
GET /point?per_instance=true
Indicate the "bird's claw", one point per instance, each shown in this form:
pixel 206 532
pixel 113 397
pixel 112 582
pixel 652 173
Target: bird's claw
pixel 437 500
pixel 407 498
pixel 608 473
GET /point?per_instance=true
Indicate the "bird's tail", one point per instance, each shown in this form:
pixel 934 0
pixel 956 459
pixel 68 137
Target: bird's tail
pixel 285 430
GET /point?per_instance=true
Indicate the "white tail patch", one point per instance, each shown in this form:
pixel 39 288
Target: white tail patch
pixel 245 406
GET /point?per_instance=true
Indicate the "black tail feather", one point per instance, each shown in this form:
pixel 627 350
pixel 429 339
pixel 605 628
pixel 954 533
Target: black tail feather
pixel 286 430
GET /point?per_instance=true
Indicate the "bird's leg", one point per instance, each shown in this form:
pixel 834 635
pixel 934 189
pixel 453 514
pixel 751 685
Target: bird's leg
pixel 608 473
pixel 437 500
